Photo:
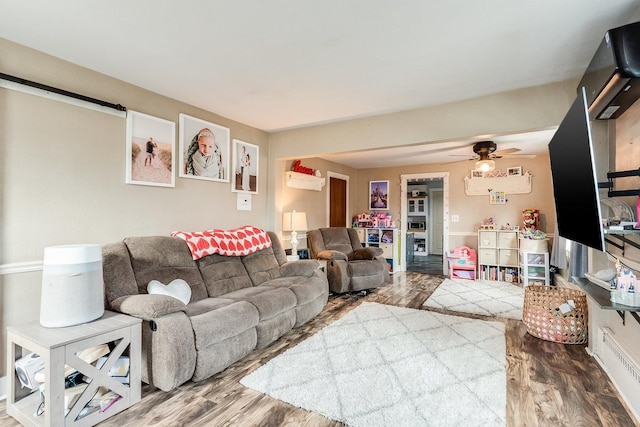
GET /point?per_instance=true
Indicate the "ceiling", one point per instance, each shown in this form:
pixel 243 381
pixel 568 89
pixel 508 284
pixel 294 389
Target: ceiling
pixel 292 63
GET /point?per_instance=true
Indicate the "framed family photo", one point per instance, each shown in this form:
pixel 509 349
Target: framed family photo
pixel 379 195
pixel 150 143
pixel 244 177
pixel 514 171
pixel 204 150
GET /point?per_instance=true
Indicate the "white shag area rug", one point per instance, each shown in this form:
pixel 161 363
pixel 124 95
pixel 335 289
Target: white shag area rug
pixel 486 297
pixel 382 365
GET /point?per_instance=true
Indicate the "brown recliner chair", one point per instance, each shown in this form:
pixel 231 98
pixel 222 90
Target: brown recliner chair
pixel 350 267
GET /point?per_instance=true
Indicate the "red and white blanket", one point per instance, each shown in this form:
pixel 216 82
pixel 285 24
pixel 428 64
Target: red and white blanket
pixel 237 242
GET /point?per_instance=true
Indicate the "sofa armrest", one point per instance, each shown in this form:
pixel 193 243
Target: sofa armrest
pixel 330 255
pixel 305 267
pixel 147 307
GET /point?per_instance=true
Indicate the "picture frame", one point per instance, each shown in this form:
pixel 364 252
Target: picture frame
pixel 150 150
pixel 497 197
pixel 516 228
pixel 476 173
pixel 204 149
pixel 514 171
pixel 245 176
pixel 379 195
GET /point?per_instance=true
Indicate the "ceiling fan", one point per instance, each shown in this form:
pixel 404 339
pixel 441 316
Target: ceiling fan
pixel 485 153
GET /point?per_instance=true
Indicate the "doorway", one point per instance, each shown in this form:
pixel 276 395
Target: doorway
pixel 338 200
pixel 424 226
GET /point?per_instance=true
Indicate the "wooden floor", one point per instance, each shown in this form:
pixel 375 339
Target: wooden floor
pixel 548 384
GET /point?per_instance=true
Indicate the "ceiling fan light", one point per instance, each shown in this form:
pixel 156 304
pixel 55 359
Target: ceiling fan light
pixel 485 165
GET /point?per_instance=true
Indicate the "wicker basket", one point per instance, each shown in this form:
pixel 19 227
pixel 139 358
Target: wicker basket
pixel 544 318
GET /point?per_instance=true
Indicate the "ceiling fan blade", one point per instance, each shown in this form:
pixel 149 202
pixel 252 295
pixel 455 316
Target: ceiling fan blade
pixel 520 156
pixel 502 153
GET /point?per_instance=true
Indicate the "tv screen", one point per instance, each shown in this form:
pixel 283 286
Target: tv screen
pixel 575 186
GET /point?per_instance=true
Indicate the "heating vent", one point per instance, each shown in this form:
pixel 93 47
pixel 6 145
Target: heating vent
pixel 622 369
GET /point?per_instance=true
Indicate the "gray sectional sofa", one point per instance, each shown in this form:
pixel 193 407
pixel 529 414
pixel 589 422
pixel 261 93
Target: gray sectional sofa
pixel 238 303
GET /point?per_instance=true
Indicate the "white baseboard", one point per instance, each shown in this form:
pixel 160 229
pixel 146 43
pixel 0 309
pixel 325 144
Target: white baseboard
pixel 3 388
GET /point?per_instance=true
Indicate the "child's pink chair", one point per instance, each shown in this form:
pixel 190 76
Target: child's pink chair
pixel 462 263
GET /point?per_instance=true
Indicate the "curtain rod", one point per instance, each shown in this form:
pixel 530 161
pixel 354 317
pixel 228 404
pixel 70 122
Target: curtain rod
pixel 47 90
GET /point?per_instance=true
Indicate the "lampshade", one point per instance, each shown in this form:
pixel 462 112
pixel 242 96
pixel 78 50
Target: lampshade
pixel 72 285
pixel 294 221
pixel 485 165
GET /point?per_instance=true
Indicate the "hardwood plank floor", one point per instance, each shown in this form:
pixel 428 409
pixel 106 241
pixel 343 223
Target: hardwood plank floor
pixel 548 384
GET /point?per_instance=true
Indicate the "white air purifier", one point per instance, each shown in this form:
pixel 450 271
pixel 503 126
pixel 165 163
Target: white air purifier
pixel 72 285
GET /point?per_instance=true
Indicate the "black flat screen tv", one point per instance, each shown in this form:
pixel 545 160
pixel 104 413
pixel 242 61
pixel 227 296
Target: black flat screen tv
pixel 575 185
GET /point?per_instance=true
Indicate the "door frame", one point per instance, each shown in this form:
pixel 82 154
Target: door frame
pixel 404 179
pixel 337 175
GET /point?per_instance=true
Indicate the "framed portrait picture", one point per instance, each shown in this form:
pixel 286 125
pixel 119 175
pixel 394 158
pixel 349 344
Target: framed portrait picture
pixel 244 177
pixel 204 150
pixel 150 153
pixel 476 173
pixel 514 171
pixel 379 195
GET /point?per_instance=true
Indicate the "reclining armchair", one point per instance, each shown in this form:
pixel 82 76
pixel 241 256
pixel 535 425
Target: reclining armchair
pixel 350 267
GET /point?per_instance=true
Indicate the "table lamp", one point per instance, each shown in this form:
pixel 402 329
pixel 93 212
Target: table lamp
pixel 72 285
pixel 293 221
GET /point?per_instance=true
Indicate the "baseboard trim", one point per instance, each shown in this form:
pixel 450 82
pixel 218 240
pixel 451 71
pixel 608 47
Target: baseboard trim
pixel 3 388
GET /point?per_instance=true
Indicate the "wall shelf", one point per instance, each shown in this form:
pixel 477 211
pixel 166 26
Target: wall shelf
pixel 602 297
pixel 304 181
pixel 518 184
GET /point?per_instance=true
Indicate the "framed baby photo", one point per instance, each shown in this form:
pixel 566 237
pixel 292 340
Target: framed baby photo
pixel 150 143
pixel 476 173
pixel 245 167
pixel 204 150
pixel 379 195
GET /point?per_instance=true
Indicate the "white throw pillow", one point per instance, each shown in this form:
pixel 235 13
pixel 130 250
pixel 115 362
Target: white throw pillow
pixel 178 289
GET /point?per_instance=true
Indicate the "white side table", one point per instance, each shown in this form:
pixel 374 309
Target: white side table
pixel 58 347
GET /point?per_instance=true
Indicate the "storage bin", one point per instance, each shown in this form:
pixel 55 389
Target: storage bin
pixel 531 245
pixel 544 318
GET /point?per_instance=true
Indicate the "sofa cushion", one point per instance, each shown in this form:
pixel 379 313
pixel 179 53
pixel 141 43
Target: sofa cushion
pixel 305 289
pixel 223 274
pixel 164 258
pixel 269 301
pixel 341 239
pixel 207 304
pixel 117 272
pixel 217 325
pixel 262 266
pixel 365 268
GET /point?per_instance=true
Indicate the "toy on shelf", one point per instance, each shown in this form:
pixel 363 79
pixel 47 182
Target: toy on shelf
pixel 488 224
pixel 531 218
pixel 374 220
pixel 624 287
